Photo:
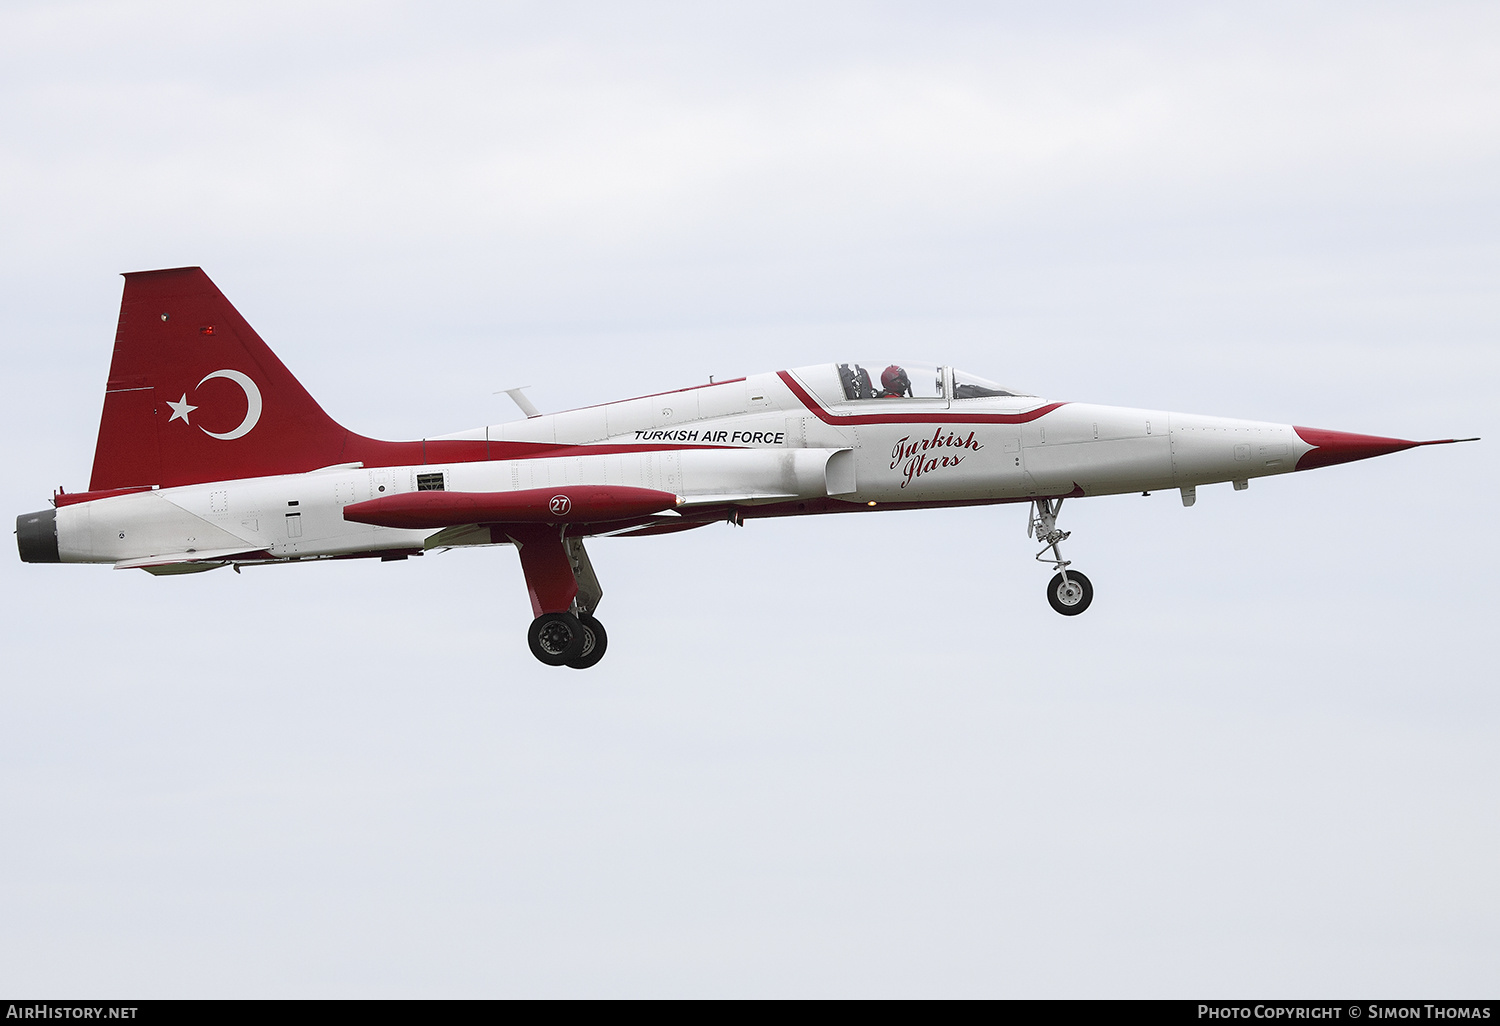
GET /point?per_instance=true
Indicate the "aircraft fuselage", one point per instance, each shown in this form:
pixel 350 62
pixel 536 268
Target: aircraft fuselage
pixel 243 467
pixel 752 445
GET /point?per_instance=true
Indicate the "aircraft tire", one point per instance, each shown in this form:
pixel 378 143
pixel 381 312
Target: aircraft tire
pixel 555 638
pixel 595 641
pixel 1071 596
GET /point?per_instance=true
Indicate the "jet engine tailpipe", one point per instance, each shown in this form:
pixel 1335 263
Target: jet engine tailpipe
pixel 36 537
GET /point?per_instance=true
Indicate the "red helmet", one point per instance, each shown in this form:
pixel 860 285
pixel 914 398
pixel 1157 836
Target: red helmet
pixel 894 379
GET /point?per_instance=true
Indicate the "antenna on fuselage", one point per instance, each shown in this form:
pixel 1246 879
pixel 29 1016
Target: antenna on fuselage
pixel 518 395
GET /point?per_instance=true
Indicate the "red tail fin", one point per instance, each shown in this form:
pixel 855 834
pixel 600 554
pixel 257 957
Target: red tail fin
pixel 195 395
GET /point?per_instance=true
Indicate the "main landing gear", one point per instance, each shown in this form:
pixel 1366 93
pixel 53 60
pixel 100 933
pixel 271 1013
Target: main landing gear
pixel 564 595
pixel 1068 593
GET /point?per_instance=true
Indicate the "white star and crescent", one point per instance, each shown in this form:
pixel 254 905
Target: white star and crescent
pixel 253 406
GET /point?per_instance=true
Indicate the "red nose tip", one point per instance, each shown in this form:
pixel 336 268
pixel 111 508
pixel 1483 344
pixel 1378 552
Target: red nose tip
pixel 1332 447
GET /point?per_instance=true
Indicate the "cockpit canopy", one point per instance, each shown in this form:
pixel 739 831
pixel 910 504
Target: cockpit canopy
pixel 874 380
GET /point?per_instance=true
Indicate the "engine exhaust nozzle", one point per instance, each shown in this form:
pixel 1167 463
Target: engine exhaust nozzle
pixel 36 537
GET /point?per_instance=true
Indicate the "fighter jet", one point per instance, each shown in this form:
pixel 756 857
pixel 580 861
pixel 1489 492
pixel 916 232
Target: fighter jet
pixel 211 454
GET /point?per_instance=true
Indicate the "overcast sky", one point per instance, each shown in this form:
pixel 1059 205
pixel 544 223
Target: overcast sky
pixel 840 756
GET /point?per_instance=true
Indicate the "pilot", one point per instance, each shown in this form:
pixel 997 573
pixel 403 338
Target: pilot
pixel 895 383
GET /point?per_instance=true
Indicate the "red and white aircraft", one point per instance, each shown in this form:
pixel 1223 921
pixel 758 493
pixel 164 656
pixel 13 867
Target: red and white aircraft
pixel 211 454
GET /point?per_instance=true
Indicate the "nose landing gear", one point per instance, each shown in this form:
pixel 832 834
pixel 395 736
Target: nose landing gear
pixel 1068 593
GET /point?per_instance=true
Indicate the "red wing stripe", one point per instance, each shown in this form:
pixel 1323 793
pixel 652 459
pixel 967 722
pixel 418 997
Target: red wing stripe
pixel 913 418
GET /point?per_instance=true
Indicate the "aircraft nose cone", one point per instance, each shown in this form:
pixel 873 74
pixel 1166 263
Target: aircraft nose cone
pixel 1330 447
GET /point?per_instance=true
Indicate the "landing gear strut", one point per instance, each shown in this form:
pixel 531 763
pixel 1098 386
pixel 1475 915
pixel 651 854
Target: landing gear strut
pixel 1068 593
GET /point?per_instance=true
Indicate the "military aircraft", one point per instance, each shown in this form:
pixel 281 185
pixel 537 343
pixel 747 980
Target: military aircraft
pixel 243 467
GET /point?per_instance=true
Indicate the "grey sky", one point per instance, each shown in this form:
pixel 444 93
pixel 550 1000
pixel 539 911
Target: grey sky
pixel 854 755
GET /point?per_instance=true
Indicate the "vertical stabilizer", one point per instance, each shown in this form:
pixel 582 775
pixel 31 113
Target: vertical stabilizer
pixel 195 395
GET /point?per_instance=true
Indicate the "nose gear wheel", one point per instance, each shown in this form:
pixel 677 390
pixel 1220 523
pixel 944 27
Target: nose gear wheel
pixel 1070 595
